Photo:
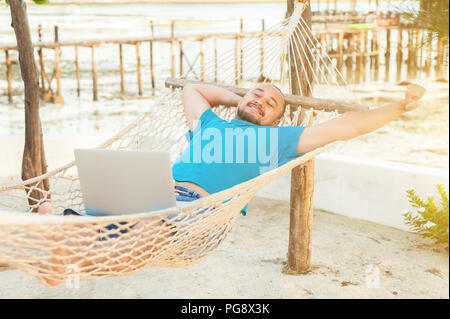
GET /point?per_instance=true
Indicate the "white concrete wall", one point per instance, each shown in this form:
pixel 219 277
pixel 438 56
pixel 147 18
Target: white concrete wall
pixel 366 189
pixel 58 151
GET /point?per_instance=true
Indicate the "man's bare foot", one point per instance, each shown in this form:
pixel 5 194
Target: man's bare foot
pixel 57 263
pixel 45 208
pixel 158 233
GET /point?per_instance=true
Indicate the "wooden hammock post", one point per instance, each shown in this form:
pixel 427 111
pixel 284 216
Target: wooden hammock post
pixel 33 161
pixel 9 76
pixel 302 179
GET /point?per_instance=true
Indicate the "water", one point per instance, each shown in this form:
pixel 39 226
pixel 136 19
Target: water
pixel 82 116
pixel 78 21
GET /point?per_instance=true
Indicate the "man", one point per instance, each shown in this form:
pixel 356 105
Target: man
pixel 214 161
pixel 223 154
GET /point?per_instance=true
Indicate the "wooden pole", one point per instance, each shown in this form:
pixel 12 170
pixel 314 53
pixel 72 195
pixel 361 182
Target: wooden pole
pixel 9 76
pixel 358 58
pixel 215 60
pixel 202 58
pixel 387 55
pixel 410 54
pixel 172 46
pixel 261 50
pixel 399 53
pixel 419 52
pixel 181 46
pixel 94 73
pixel 152 68
pixel 363 55
pixel 236 60
pixel 241 53
pixel 138 62
pixel 440 56
pixel 340 51
pixel 56 33
pixel 377 54
pixel 41 62
pixel 349 69
pixel 77 71
pixel 33 161
pixel 122 79
pixel 429 62
pixel 58 98
pixel 302 178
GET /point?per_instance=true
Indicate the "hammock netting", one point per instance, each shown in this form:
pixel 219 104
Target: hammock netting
pixel 53 247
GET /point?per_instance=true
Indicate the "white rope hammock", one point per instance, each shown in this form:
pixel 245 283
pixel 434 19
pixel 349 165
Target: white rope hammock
pixel 51 246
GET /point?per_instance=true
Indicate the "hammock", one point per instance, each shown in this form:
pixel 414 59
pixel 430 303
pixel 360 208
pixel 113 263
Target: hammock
pixel 54 247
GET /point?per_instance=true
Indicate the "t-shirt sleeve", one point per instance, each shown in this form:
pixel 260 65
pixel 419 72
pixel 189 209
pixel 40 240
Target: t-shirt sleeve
pixel 288 140
pixel 207 119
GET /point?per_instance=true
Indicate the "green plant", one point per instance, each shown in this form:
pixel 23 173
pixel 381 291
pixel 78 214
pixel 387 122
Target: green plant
pixel 430 221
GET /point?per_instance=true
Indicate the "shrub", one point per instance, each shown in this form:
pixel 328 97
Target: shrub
pixel 430 221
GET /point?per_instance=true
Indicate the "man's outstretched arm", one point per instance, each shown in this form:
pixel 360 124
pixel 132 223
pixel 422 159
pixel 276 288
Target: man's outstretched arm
pixel 197 98
pixel 356 123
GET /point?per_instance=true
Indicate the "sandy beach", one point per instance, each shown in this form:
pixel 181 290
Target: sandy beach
pixel 350 259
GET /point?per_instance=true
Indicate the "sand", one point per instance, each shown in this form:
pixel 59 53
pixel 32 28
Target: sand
pixel 350 259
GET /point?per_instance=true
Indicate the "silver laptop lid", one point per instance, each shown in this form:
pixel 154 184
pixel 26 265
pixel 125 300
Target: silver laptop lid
pixel 120 182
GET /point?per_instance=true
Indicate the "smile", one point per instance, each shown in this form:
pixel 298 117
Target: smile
pixel 254 109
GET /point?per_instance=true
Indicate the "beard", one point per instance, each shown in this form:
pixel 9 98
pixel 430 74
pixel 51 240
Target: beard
pixel 247 115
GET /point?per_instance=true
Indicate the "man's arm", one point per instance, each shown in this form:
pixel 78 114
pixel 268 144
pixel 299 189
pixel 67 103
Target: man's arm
pixel 356 123
pixel 197 98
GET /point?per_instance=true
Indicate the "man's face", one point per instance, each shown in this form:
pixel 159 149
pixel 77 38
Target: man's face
pixel 262 105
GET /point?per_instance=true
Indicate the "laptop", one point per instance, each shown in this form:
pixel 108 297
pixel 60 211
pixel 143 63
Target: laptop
pixel 118 182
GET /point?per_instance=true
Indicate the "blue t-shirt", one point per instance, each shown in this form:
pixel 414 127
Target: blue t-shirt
pixel 223 154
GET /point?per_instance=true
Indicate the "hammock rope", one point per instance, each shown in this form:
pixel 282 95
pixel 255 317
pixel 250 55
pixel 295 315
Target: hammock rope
pixel 54 247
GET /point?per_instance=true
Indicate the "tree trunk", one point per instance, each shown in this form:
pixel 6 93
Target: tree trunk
pixel 302 178
pixel 33 161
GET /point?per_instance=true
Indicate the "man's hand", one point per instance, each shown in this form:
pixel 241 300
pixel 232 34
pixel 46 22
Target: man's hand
pixel 413 94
